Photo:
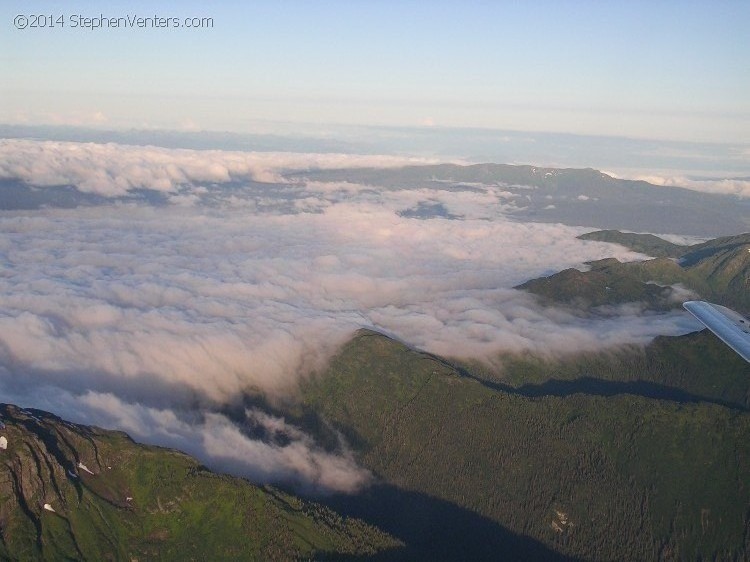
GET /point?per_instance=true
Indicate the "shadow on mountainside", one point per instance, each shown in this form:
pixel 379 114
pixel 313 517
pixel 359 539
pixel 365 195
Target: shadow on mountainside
pixel 437 530
pixel 602 387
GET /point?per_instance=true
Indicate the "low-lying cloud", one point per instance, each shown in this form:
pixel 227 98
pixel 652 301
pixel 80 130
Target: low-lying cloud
pixel 211 437
pixel 114 170
pixel 726 186
pixel 150 319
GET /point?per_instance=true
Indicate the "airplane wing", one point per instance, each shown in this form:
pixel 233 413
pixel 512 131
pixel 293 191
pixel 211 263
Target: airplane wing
pixel 732 328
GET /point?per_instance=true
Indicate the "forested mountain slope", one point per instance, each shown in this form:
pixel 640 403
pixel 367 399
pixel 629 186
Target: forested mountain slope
pixel 591 477
pixel 72 492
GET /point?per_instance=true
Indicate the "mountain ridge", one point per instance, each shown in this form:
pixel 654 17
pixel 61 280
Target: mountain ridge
pixel 79 492
pixel 717 270
pixel 619 467
pixel 571 196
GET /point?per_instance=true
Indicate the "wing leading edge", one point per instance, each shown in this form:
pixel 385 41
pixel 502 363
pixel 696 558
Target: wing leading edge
pixel 732 328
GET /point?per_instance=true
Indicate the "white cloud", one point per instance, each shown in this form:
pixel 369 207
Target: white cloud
pixel 680 294
pixel 146 314
pixel 214 439
pixel 113 170
pixel 741 188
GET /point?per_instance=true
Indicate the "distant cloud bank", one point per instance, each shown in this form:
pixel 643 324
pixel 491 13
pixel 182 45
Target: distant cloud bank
pixel 729 186
pixel 113 170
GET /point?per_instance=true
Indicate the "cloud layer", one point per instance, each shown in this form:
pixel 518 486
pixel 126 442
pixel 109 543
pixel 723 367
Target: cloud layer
pixel 726 186
pixel 114 170
pixel 151 319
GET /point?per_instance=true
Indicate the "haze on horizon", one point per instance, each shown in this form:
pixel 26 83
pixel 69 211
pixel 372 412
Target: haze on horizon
pixel 667 70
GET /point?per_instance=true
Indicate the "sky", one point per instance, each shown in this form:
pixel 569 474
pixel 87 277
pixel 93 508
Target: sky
pixel 662 70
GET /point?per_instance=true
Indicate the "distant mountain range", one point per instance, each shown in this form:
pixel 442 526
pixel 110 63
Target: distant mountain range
pixel 571 196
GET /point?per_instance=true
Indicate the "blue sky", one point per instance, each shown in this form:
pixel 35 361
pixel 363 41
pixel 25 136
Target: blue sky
pixel 668 70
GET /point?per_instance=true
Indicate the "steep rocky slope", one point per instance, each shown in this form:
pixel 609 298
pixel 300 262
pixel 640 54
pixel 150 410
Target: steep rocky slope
pixel 74 492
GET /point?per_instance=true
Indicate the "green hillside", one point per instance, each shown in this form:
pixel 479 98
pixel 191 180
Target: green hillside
pixel 590 477
pixel 629 453
pixel 645 243
pixel 610 282
pixel 724 264
pixel 695 367
pixel 126 501
pixel 718 271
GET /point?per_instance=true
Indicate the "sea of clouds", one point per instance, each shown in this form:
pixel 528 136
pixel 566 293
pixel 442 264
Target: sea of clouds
pixel 150 318
pixel 727 186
